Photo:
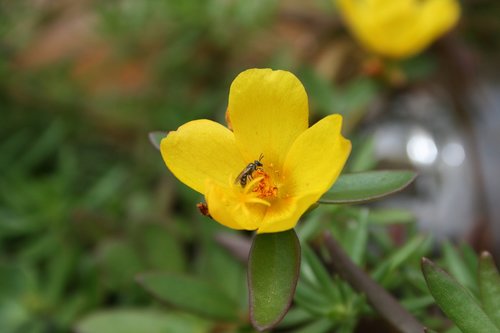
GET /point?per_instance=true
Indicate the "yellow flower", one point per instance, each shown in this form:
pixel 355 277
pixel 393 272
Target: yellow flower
pixel 399 28
pixel 268 113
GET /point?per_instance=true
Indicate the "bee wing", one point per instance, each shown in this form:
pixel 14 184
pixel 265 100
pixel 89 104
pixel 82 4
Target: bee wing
pixel 246 171
pixel 238 179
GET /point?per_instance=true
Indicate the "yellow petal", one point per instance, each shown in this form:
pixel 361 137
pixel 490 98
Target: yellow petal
pixel 234 208
pixel 268 111
pixel 285 213
pixel 201 150
pixel 311 167
pixel 399 28
pixel 316 158
pixel 449 14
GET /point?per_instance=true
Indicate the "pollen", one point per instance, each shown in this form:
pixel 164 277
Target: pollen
pixel 265 187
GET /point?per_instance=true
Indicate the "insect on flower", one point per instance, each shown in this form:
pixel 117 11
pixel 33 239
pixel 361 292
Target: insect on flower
pixel 268 112
pixel 203 208
pixel 248 171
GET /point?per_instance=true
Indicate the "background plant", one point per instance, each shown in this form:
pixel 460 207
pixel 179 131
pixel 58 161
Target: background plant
pixel 85 201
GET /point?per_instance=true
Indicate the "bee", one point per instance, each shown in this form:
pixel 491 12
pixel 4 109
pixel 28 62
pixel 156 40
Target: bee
pixel 248 171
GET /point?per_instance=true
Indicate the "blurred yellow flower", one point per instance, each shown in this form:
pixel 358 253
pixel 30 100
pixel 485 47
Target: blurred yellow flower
pixel 271 168
pixel 399 28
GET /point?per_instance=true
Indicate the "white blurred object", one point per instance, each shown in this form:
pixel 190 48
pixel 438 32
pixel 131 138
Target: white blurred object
pixel 420 132
pixel 421 149
pixel 453 154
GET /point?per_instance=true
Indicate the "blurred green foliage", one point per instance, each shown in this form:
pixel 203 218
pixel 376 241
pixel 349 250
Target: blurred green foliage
pixel 86 202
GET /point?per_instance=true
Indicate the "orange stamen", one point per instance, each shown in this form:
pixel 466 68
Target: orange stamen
pixel 265 188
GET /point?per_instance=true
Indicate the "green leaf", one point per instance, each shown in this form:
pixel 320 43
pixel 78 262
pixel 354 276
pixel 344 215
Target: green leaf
pixel 455 301
pixel 156 137
pixel 453 329
pixel 471 259
pixel 322 325
pixel 309 297
pixel 320 91
pixel 273 271
pixel 489 286
pixel 119 262
pixel 14 315
pixel 357 237
pixel 363 157
pixel 313 224
pixel 399 257
pixel 356 95
pixel 320 275
pixel 296 316
pixel 458 268
pixel 161 249
pixel 413 304
pixel 383 302
pixel 216 265
pixel 419 67
pixel 13 280
pixel 59 272
pixel 190 294
pixel 367 186
pixel 139 321
pixel 389 216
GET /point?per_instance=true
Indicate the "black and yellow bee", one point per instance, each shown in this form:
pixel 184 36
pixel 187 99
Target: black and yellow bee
pixel 246 174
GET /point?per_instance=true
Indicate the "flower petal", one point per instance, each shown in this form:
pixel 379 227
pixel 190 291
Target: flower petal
pixel 201 150
pixel 400 28
pixel 311 167
pixel 449 13
pixel 233 208
pixel 285 213
pixel 268 110
pixel 316 158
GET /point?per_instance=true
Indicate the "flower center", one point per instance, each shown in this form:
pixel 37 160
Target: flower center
pixel 265 188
